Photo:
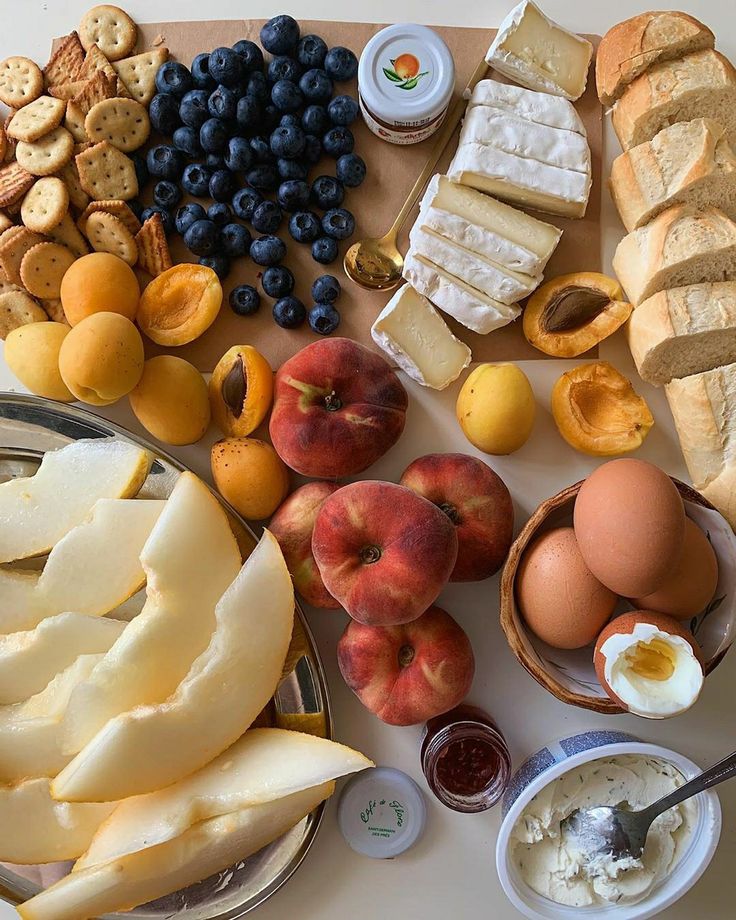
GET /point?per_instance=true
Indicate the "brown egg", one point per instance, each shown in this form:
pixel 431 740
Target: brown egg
pixel 562 602
pixel 630 525
pixel 687 591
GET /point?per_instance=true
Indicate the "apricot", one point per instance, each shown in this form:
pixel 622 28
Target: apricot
pixel 241 390
pixel 101 358
pixel 250 475
pixel 32 354
pixel 496 408
pixel 180 304
pixel 170 400
pixel 99 283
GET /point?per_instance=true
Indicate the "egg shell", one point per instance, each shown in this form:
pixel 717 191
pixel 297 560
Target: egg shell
pixel 692 585
pixel 562 602
pixel 629 521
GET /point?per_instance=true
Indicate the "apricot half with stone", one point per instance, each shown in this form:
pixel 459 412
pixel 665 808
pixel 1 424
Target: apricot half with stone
pixel 180 304
pixel 241 391
pixel 598 412
pixel 171 400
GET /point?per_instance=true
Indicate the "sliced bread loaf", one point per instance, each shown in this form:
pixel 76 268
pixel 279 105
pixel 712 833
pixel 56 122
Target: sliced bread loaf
pixel 700 85
pixel 690 162
pixel 684 331
pixel 682 246
pixel 632 46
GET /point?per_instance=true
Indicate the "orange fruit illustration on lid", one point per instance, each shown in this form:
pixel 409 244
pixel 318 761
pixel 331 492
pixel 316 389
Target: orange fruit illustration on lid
pixel 404 71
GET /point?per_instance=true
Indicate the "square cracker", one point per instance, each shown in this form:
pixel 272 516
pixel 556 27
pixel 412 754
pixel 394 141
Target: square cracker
pixel 70 176
pixel 113 206
pixel 96 60
pixel 97 88
pixel 66 62
pixel 105 172
pixel 138 73
pixel 153 250
pixel 68 235
pixel 13 246
pixel 14 183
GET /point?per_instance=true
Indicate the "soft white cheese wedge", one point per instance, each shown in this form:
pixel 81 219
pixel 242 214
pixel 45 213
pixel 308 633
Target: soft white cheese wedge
pixel 412 332
pixel 468 306
pixel 536 52
pixel 541 108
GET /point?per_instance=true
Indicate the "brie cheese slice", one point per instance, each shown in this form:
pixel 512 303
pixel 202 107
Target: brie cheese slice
pixel 540 108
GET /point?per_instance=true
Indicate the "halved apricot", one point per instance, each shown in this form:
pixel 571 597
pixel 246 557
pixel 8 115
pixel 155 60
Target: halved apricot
pixel 180 304
pixel 241 391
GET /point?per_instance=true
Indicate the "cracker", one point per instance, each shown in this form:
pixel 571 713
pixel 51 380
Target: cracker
pixel 66 62
pixel 43 267
pixel 111 29
pixel 67 91
pixel 74 122
pixel 112 206
pixel 138 73
pixel 21 81
pixel 18 309
pixel 153 250
pixel 97 88
pixel 36 119
pixel 68 235
pixel 55 311
pixel 3 144
pixel 108 234
pixel 6 222
pixel 96 60
pixel 122 122
pixel 45 204
pixel 106 172
pixel 70 177
pixel 14 183
pixel 14 244
pixel 7 286
pixel 47 155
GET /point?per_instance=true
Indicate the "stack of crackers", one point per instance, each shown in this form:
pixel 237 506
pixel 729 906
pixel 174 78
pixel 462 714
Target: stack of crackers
pixel 65 173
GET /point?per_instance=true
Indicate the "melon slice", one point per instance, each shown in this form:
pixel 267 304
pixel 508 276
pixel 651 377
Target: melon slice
pixel 227 686
pixel 30 659
pixel 37 511
pixel 265 764
pixel 44 830
pixel 206 848
pixel 190 558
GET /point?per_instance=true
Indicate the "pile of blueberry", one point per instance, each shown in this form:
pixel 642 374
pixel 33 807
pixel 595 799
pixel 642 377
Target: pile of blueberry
pixel 242 130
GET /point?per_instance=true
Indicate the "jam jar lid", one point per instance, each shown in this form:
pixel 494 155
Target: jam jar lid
pixel 381 812
pixel 406 73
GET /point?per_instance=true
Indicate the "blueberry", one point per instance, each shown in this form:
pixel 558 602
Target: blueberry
pixel 286 96
pixel 202 237
pixel 277 281
pixel 316 85
pixel 257 86
pixel 193 108
pixel 226 66
pixel 238 156
pixel 267 250
pixel 187 214
pixel 327 192
pixel 235 240
pixel 338 223
pixel 165 161
pixel 215 161
pixel 164 113
pixel 287 142
pixel 266 217
pixel 166 218
pixel 282 67
pixel 350 169
pixel 244 300
pixel 280 35
pixel 324 318
pixel 245 201
pixel 222 103
pixel 292 169
pixel 222 185
pixel 338 141
pixel 186 139
pixel 343 110
pixel 324 250
pixel 219 213
pixel 141 170
pixel 250 54
pixel 305 226
pixel 326 289
pixel 248 113
pixel 166 194
pixel 315 119
pixel 289 312
pixel 195 179
pixel 261 150
pixel 264 177
pixel 312 149
pixel 219 263
pixel 290 120
pixel 213 135
pixel 201 73
pixel 341 64
pixel 271 118
pixel 311 51
pixel 173 78
pixel 293 195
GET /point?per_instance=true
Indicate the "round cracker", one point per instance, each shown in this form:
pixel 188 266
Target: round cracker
pixel 111 29
pixel 21 81
pixel 36 119
pixel 43 267
pixel 107 233
pixel 47 155
pixel 18 309
pixel 122 122
pixel 45 204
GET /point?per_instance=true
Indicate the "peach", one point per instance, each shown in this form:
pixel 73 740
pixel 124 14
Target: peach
pixel 32 354
pixel 292 525
pixel 99 283
pixel 409 673
pixel 180 304
pixel 249 474
pixel 477 502
pixel 171 400
pixel 241 391
pixel 338 408
pixel 383 552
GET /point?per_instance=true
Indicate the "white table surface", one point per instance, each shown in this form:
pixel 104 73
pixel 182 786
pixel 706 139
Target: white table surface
pixel 451 871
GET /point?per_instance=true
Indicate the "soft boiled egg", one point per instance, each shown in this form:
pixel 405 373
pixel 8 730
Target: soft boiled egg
pixel 650 664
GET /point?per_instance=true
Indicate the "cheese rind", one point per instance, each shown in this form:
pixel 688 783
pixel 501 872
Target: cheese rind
pixel 541 108
pixel 412 332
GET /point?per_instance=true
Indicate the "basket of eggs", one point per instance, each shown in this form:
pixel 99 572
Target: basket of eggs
pixel 619 594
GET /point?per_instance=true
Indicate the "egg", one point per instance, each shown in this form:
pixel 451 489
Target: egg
pixel 562 603
pixel 629 521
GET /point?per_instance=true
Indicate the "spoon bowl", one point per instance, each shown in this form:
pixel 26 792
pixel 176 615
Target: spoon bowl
pixel 375 264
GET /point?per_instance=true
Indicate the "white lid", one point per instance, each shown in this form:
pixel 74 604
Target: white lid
pixel 381 812
pixel 421 88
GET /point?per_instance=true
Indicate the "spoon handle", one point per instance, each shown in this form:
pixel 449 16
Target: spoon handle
pixel 718 773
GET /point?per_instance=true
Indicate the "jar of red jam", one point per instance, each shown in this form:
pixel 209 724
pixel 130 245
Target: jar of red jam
pixel 465 759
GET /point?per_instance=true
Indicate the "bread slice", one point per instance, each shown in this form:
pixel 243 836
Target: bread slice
pixel 704 410
pixel 690 162
pixel 682 246
pixel 684 331
pixel 634 45
pixel 700 85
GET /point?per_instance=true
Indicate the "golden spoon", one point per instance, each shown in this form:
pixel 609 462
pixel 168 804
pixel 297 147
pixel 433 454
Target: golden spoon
pixel 376 264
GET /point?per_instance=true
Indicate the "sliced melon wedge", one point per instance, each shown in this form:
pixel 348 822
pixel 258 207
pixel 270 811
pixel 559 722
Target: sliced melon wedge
pixel 206 848
pixel 30 659
pixel 227 686
pixel 44 830
pixel 190 558
pixel 37 511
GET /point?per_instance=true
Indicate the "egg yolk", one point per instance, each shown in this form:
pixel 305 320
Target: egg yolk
pixel 653 660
